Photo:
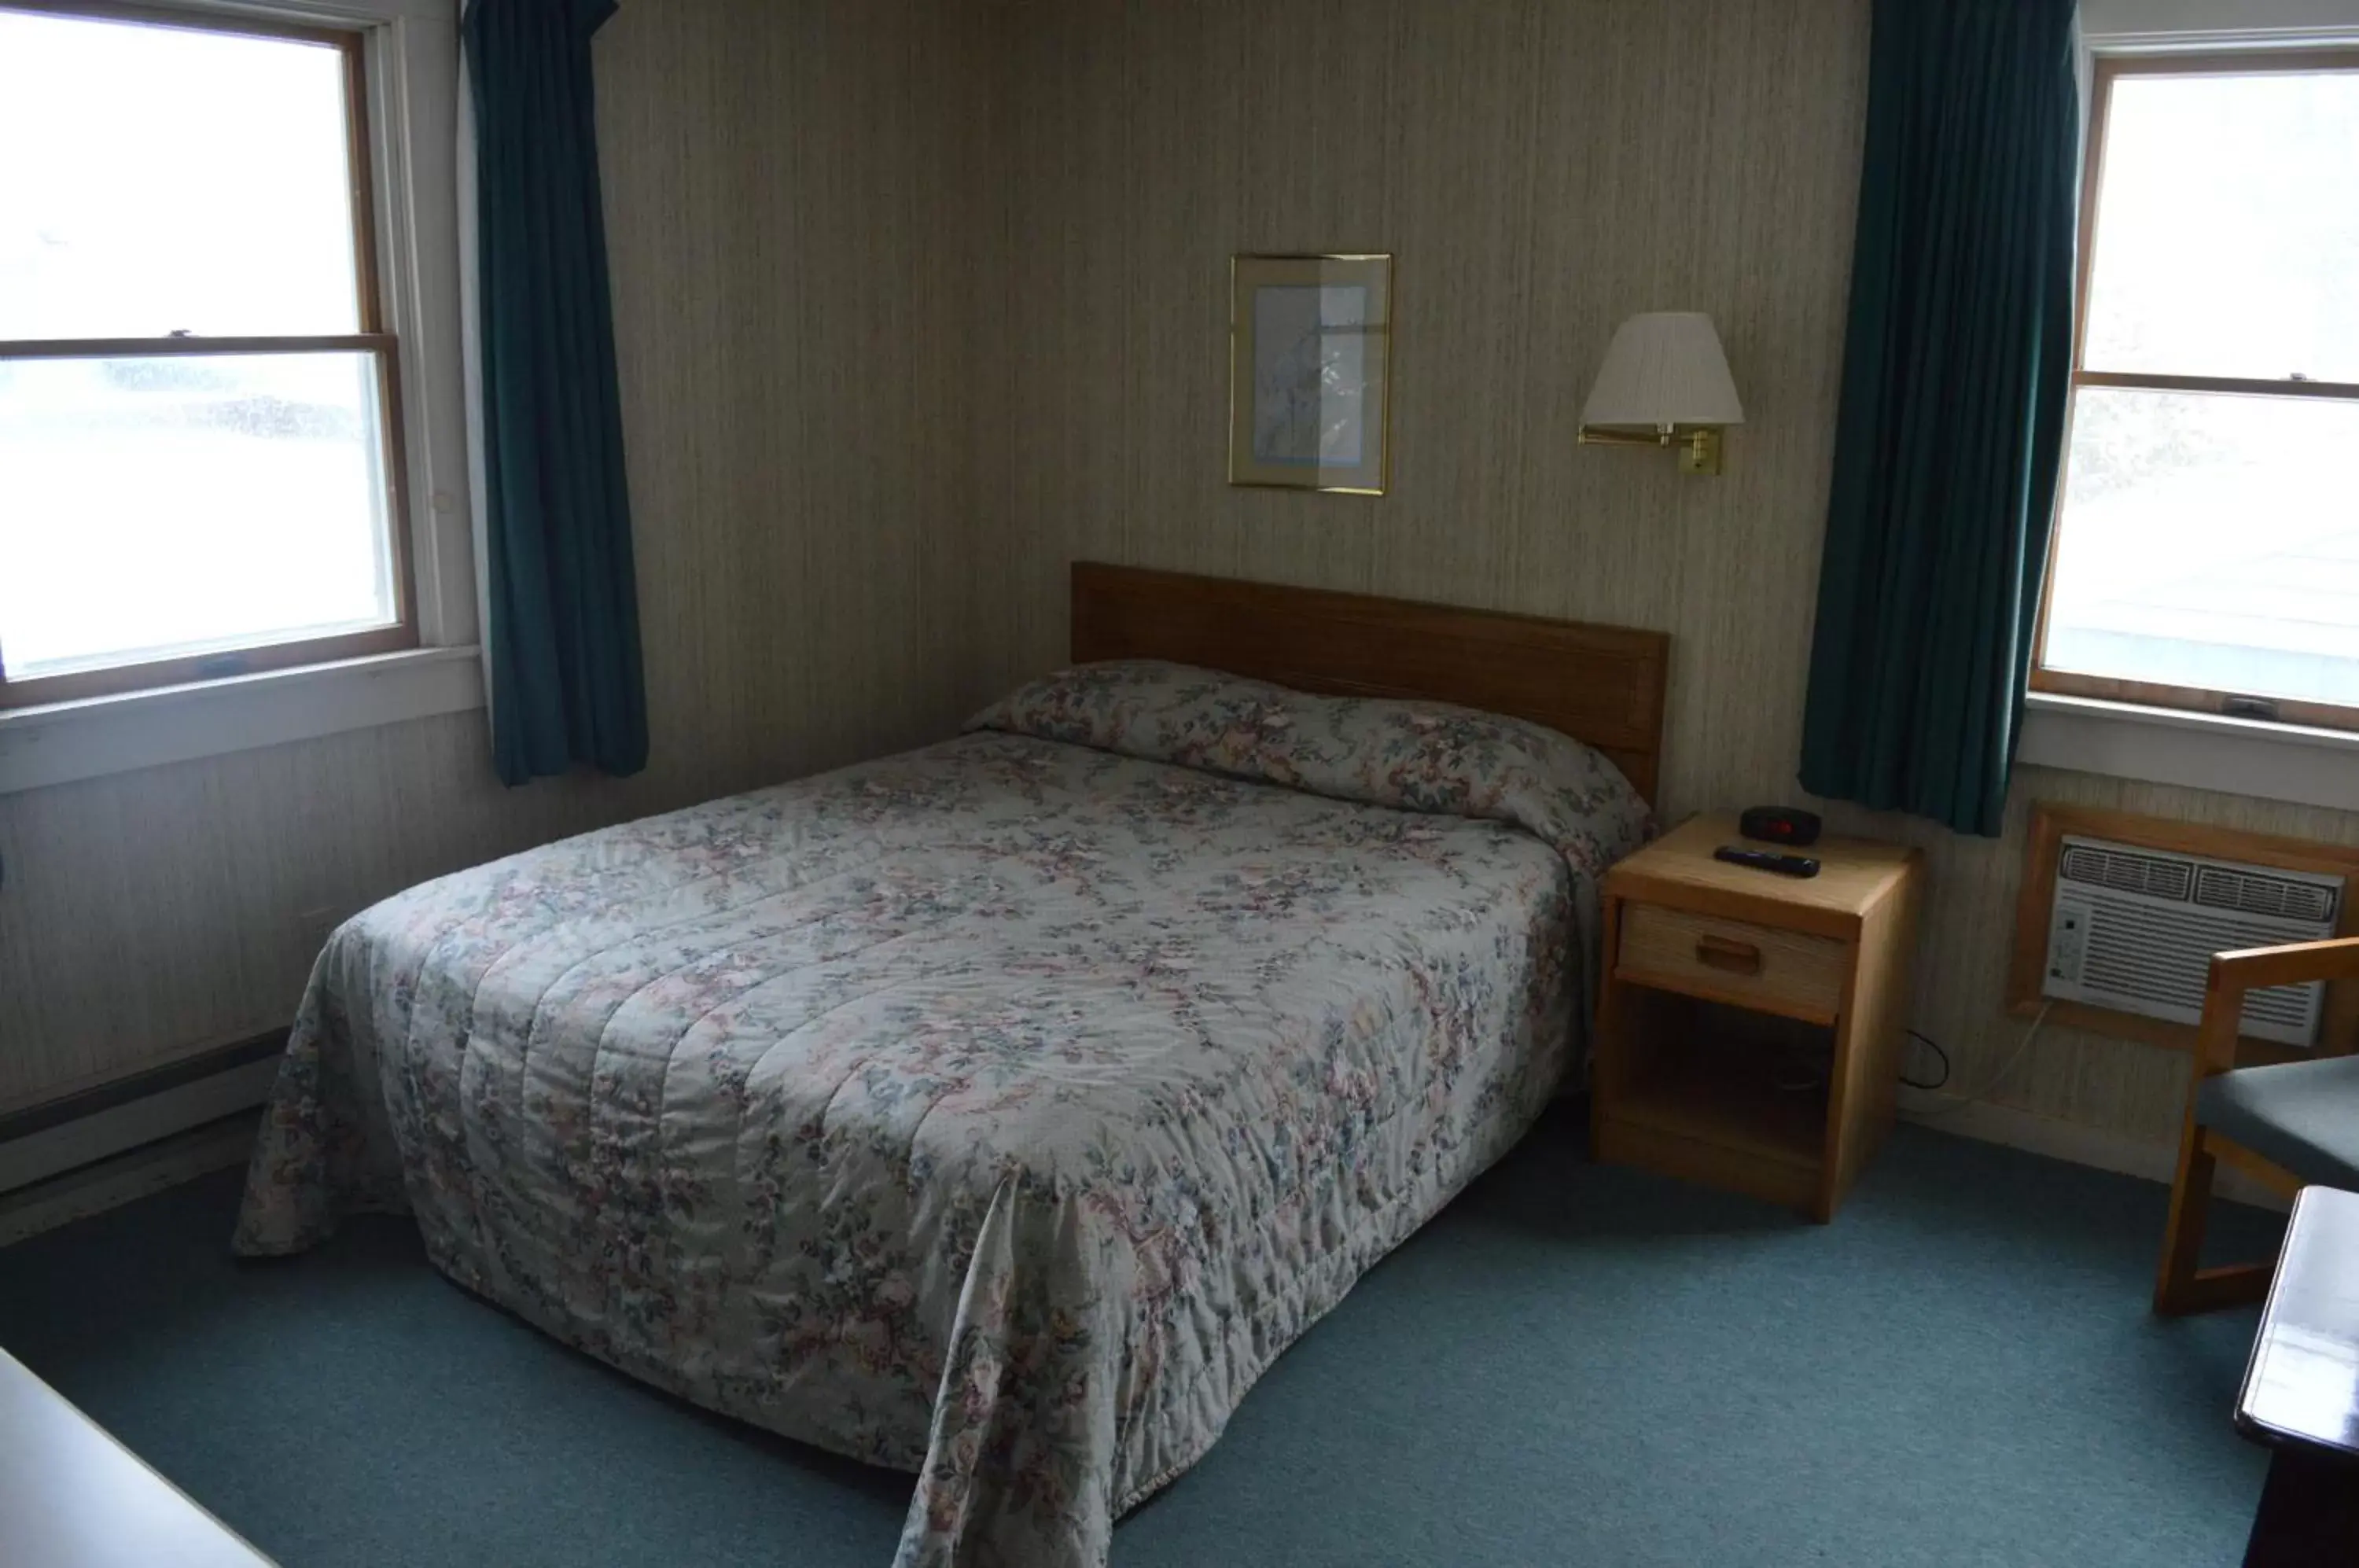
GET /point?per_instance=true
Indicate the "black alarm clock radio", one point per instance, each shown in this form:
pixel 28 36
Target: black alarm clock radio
pixel 1779 824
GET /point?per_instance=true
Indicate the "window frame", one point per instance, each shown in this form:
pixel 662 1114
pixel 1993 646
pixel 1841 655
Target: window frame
pixel 2106 70
pixel 374 339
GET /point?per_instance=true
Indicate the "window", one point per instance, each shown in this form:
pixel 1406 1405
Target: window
pixel 200 444
pixel 2206 552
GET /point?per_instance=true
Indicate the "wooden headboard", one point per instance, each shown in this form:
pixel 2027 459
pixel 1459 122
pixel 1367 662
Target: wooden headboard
pixel 1603 685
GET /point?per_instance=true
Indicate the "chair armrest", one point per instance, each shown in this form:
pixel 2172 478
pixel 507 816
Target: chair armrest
pixel 2293 965
pixel 2257 969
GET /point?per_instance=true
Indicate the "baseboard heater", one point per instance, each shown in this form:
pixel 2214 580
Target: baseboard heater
pixel 58 1137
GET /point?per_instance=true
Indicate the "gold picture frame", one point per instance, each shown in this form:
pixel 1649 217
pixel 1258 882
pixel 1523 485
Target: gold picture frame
pixel 1311 372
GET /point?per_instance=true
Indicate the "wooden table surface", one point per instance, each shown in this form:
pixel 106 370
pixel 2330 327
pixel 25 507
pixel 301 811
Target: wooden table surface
pixel 72 1496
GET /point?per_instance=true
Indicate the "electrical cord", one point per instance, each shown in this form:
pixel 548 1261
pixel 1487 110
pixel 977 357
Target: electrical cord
pixel 2022 1049
pixel 1938 1085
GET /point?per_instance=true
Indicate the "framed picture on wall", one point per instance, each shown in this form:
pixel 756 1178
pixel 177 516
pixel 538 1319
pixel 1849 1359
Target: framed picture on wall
pixel 1310 372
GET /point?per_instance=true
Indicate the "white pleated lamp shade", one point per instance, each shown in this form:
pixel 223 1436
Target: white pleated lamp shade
pixel 1664 368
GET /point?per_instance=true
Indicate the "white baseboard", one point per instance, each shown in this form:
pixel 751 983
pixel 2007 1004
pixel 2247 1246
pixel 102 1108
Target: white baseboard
pixel 2082 1146
pixel 101 1134
pixel 125 1178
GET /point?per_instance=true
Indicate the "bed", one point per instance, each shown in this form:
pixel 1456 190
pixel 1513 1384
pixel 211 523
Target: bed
pixel 1000 1110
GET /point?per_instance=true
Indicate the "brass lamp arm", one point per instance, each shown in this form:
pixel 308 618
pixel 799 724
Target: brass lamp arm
pixel 1699 444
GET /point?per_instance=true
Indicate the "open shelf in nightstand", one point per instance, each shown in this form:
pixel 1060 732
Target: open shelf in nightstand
pixel 1709 1074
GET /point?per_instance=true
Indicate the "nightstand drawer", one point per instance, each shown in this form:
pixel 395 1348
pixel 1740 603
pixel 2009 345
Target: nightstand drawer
pixel 1753 967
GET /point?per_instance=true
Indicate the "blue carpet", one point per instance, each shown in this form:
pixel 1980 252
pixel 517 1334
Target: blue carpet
pixel 1575 1365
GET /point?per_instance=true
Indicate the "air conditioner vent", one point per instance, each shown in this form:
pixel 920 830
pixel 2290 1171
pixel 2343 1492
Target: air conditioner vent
pixel 2127 871
pixel 2134 930
pixel 2287 1007
pixel 2256 893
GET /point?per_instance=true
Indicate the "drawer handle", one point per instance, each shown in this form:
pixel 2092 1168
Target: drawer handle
pixel 1736 958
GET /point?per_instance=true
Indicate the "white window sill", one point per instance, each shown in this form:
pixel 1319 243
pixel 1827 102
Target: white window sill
pixel 2199 751
pixel 61 742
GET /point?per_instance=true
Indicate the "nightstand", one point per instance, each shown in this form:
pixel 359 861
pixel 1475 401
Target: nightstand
pixel 1750 1028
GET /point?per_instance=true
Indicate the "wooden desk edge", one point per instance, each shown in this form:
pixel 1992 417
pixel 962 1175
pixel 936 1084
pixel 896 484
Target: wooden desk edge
pixel 2249 1426
pixel 53 1406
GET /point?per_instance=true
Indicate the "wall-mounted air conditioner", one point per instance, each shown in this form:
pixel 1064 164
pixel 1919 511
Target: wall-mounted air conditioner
pixel 2135 930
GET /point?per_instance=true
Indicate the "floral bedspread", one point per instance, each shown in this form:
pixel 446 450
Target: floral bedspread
pixel 998 1111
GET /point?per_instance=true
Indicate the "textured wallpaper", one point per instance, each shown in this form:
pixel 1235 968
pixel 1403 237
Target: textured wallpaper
pixel 1543 168
pixel 919 300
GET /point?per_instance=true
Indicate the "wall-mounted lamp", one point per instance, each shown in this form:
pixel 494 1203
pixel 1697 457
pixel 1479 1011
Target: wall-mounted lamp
pixel 1665 383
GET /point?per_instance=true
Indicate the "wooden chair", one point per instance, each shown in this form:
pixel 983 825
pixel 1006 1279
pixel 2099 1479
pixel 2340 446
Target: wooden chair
pixel 2289 1125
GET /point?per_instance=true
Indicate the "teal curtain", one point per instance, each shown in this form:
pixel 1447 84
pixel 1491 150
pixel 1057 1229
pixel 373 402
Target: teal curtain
pixel 1955 376
pixel 562 600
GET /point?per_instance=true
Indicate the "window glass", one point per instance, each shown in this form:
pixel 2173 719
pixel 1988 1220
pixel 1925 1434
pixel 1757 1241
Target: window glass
pixel 157 507
pixel 207 487
pixel 2204 544
pixel 2227 237
pixel 159 180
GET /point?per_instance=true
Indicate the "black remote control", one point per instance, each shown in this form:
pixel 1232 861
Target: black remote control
pixel 1768 860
